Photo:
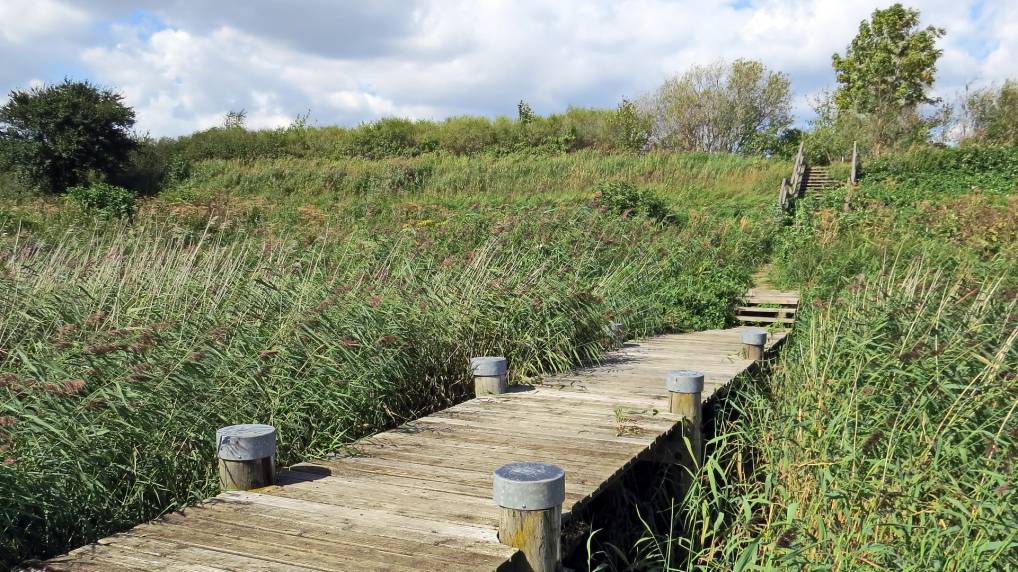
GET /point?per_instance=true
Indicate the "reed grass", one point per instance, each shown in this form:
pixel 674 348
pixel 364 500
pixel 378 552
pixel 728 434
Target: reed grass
pixel 257 293
pixel 884 437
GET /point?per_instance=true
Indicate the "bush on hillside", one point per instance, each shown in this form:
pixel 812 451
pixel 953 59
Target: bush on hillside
pixel 104 199
pixel 625 198
pixel 927 170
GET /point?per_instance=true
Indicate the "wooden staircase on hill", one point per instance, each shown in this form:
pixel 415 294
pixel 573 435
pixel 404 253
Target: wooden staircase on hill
pixel 765 305
pixel 818 179
pixel 813 178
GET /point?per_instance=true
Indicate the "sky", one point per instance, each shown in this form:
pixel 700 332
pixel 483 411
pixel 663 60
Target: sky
pixel 183 64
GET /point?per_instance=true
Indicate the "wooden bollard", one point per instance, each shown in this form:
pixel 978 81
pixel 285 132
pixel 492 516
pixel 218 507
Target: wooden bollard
pixel 491 375
pixel 753 342
pixel 530 497
pixel 247 456
pixel 685 389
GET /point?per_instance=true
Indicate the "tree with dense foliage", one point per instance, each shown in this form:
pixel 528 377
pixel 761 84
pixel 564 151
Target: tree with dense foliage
pixel 990 114
pixel 720 108
pixel 883 95
pixel 891 62
pixel 57 136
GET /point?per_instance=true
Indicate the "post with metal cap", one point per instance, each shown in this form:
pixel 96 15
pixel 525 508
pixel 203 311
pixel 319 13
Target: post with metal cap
pixel 753 342
pixel 247 456
pixel 491 375
pixel 530 497
pixel 685 389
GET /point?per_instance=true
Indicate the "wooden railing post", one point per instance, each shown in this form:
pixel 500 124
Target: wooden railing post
pixel 685 388
pixel 491 375
pixel 247 456
pixel 854 177
pixel 753 342
pixel 530 497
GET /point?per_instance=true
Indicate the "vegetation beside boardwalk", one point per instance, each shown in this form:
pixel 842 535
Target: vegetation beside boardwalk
pixel 886 433
pixel 330 299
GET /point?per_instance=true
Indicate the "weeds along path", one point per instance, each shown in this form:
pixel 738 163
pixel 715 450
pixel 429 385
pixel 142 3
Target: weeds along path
pixel 124 347
pixel 419 497
pixel 885 435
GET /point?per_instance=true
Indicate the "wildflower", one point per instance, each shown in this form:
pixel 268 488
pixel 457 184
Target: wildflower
pixel 266 354
pixel 7 421
pixel 197 356
pixel 374 301
pixel 348 342
pixel 9 461
pixel 385 340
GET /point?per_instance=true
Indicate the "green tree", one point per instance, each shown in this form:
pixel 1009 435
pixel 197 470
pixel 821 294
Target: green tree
pixel 57 136
pixel 891 62
pixel 990 114
pixel 630 128
pixel 720 107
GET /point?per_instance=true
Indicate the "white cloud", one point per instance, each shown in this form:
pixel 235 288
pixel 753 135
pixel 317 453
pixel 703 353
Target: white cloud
pixel 27 21
pixel 349 62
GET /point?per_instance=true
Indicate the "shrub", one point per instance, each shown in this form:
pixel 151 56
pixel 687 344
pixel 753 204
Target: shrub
pixel 56 136
pixel 625 198
pixel 388 138
pixel 104 199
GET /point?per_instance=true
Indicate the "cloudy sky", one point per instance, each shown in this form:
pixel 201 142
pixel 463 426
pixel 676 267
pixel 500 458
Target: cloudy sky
pixel 182 64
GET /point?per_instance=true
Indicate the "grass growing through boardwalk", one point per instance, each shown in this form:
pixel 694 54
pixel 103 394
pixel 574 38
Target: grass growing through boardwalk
pixel 885 436
pixel 256 293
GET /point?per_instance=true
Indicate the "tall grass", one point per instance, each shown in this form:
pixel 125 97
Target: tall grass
pixel 885 440
pixel 123 346
pixel 884 437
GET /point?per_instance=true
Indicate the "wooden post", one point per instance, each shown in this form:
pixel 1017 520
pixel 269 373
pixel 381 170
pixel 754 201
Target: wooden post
pixel 854 177
pixel 247 456
pixel 491 375
pixel 685 389
pixel 530 497
pixel 753 342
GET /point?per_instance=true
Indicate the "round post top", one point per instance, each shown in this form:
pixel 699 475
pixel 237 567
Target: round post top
pixel 754 337
pixel 529 486
pixel 489 366
pixel 246 442
pixel 684 381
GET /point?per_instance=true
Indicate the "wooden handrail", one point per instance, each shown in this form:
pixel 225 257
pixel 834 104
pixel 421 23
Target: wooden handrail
pixel 790 188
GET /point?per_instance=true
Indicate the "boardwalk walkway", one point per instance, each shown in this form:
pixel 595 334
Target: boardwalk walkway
pixel 419 497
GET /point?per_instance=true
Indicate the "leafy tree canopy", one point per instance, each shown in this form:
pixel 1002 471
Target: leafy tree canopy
pixel 57 136
pixel 737 107
pixel 891 62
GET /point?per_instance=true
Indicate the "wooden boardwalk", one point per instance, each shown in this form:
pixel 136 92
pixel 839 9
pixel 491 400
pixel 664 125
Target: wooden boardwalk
pixel 418 498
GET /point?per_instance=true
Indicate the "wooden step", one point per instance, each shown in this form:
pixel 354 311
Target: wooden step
pixel 771 298
pixel 765 319
pixel 783 311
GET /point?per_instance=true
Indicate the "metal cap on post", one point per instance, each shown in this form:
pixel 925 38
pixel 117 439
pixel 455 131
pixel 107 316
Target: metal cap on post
pixel 491 375
pixel 684 381
pixel 685 389
pixel 753 342
pixel 246 455
pixel 530 497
